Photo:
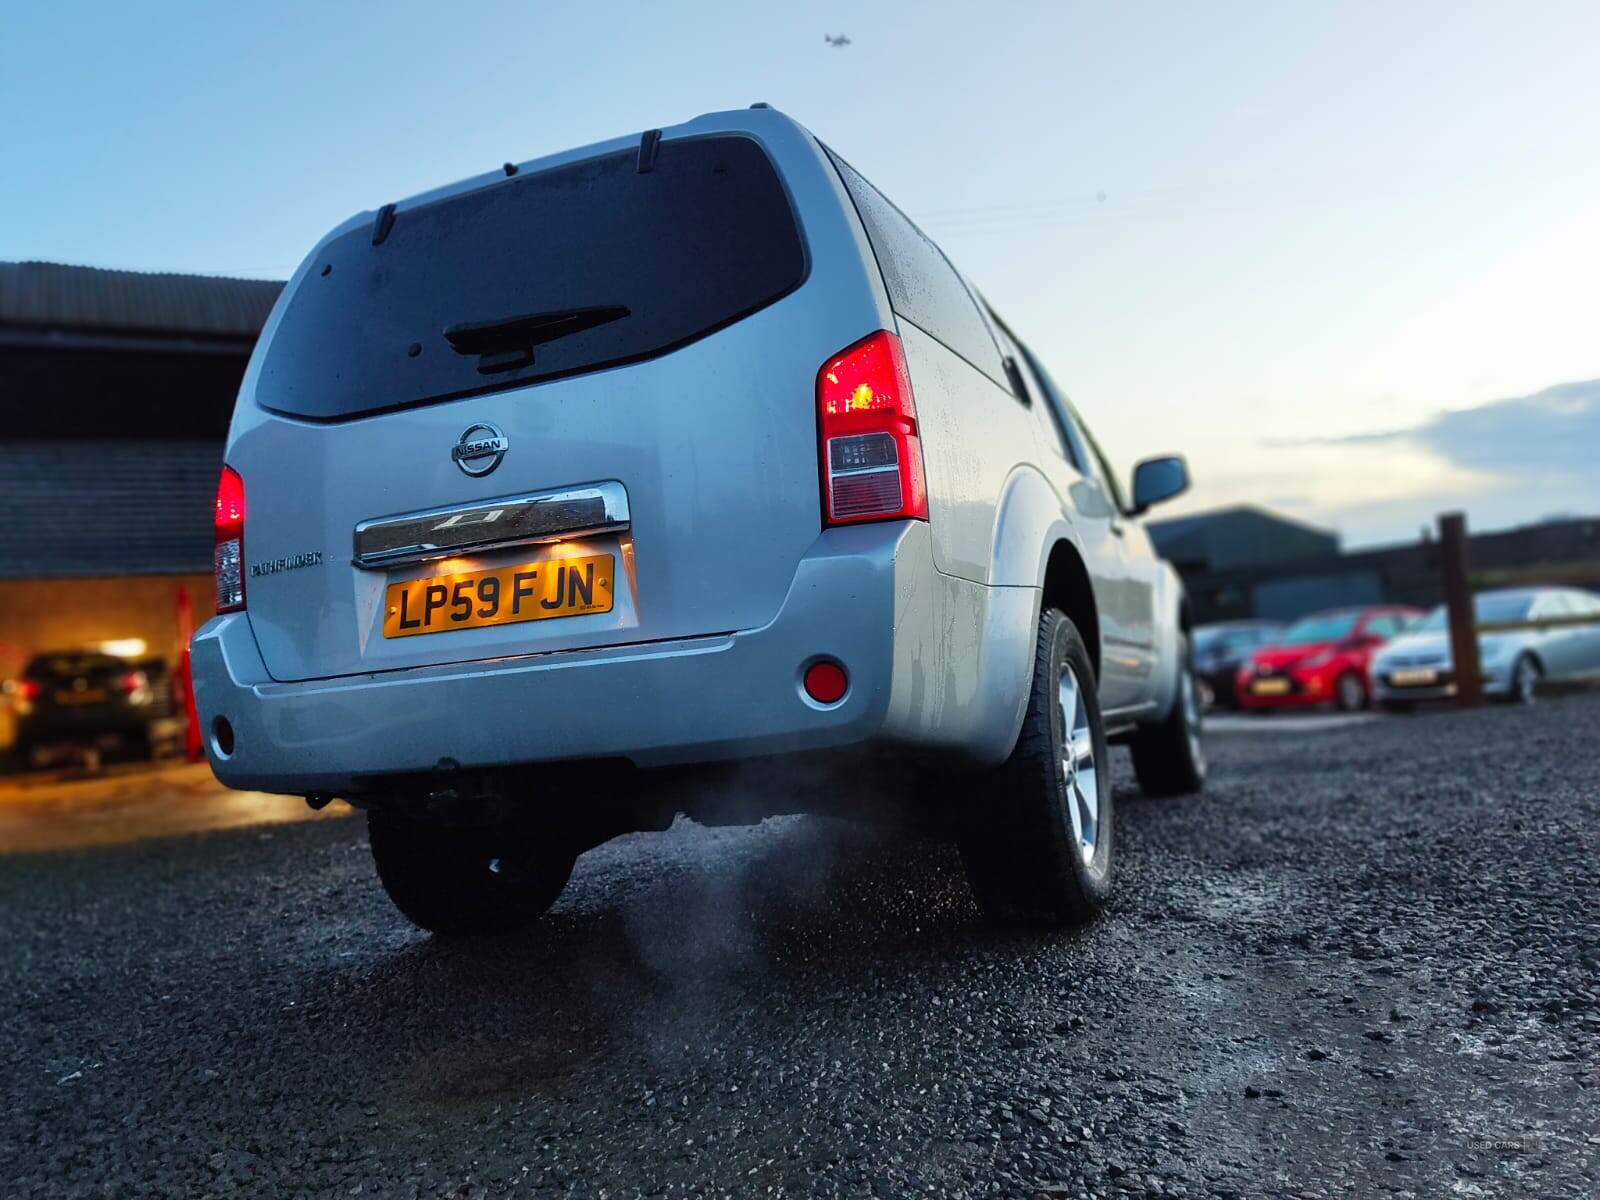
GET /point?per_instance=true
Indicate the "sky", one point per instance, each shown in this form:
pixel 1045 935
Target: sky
pixel 1345 257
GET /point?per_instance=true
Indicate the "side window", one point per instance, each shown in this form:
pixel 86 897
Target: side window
pixel 1032 390
pixel 1071 443
pixel 1554 604
pixel 1107 476
pixel 923 287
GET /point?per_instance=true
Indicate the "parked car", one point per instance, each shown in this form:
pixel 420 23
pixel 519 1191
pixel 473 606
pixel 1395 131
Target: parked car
pixel 1221 649
pixel 1321 659
pixel 72 700
pixel 1555 635
pixel 551 490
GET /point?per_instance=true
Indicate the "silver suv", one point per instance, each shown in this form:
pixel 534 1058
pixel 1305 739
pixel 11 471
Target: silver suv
pixel 678 474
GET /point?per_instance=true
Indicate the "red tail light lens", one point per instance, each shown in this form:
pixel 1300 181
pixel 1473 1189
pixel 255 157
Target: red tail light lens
pixel 871 451
pixel 29 690
pixel 229 556
pixel 133 681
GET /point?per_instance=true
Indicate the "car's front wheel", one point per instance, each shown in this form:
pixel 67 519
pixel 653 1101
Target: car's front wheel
pixel 456 882
pixel 1039 850
pixel 1169 758
pixel 1350 693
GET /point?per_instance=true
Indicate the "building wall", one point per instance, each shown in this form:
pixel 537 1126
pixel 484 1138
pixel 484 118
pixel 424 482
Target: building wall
pixel 1293 596
pixel 100 506
pixel 55 614
pixel 1239 538
pixel 1563 552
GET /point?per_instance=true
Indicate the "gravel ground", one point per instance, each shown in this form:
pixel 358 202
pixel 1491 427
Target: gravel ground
pixel 1365 963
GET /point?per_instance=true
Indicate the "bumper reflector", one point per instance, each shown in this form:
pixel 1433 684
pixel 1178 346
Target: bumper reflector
pixel 826 682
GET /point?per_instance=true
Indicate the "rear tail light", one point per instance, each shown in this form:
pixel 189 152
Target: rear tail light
pixel 133 681
pixel 229 556
pixel 871 451
pixel 28 689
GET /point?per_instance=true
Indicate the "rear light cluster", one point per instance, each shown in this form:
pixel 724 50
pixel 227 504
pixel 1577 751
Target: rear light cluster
pixel 871 451
pixel 229 556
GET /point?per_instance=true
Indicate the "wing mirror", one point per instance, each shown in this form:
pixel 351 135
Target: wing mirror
pixel 1158 479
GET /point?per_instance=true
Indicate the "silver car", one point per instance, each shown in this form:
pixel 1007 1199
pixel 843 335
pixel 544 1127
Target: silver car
pixel 1526 635
pixel 678 473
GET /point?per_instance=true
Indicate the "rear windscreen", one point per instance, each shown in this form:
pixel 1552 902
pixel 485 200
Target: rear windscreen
pixel 72 666
pixel 571 269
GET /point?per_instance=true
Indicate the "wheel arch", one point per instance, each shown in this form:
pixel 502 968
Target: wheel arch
pixel 1065 584
pixel 1035 545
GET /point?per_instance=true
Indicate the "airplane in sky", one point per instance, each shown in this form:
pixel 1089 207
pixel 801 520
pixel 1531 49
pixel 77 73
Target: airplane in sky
pixel 841 40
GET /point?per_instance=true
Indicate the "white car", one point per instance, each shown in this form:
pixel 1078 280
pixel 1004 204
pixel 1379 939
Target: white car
pixel 568 482
pixel 1548 637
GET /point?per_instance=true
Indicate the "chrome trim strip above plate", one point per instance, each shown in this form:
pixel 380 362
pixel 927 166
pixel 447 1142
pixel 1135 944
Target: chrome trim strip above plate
pixel 491 525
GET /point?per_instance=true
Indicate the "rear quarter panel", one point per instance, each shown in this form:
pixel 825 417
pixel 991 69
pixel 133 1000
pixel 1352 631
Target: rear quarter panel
pixel 975 435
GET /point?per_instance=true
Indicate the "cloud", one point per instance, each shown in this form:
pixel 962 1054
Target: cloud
pixel 1553 432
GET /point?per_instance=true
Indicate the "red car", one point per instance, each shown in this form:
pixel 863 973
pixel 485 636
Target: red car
pixel 1321 659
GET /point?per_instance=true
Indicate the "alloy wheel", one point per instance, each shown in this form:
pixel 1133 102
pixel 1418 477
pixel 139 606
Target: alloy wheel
pixel 1527 680
pixel 1078 766
pixel 1192 716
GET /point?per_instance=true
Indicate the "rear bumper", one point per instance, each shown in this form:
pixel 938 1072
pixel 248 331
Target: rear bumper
pixel 934 662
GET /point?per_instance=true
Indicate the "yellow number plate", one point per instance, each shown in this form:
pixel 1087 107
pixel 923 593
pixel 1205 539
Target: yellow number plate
pixel 1419 676
pixel 92 696
pixel 536 591
pixel 1270 687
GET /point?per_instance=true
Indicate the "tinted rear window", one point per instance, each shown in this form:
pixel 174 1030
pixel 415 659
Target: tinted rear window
pixel 573 269
pixel 72 666
pixel 923 287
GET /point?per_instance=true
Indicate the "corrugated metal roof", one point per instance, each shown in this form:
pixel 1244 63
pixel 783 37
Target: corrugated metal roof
pixel 106 507
pixel 59 296
pixel 1213 518
pixel 1225 539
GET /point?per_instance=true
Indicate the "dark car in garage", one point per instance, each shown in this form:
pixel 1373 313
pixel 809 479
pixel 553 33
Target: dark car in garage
pixel 75 700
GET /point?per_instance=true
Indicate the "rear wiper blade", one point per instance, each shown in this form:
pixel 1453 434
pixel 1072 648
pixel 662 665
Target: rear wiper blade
pixel 508 343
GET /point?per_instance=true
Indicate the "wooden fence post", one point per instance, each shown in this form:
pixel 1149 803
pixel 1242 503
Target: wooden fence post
pixel 1458 599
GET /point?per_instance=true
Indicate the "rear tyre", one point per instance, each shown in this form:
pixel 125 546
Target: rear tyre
pixel 459 882
pixel 1040 851
pixel 1169 759
pixel 1349 693
pixel 1525 676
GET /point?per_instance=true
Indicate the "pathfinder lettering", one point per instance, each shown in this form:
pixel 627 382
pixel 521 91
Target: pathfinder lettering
pixel 289 562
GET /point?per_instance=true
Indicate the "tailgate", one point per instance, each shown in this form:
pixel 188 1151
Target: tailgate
pixel 653 335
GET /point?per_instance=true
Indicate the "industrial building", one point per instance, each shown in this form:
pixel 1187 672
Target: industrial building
pixel 1247 562
pixel 116 388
